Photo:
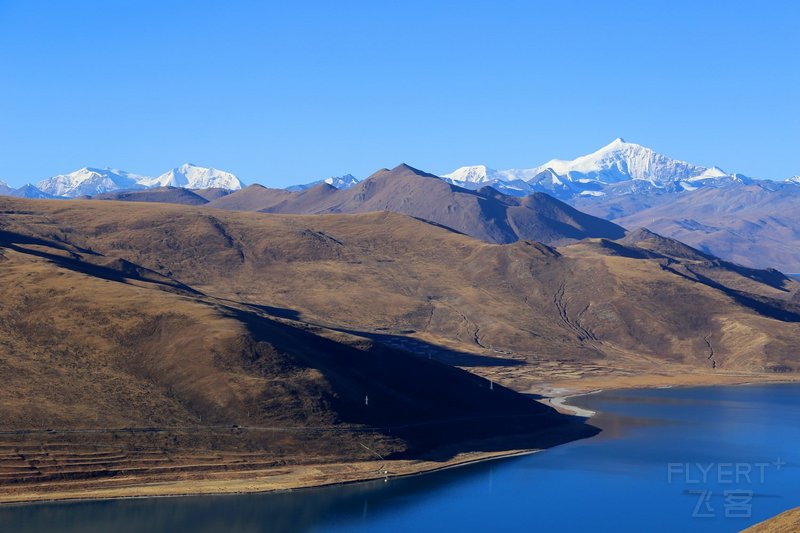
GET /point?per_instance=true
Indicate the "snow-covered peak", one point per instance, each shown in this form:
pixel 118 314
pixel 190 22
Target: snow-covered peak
pixel 715 172
pixel 30 191
pixel 90 181
pixel 794 179
pixel 620 167
pixel 191 176
pixel 622 161
pixel 473 174
pixel 711 174
pixel 340 182
pixel 548 175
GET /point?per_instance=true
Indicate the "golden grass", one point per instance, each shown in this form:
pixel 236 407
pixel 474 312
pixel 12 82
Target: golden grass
pixel 206 323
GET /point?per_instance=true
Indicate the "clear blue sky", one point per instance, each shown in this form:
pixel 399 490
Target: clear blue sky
pixel 286 92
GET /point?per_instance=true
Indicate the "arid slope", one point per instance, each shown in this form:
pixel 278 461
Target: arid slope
pixel 112 370
pixel 595 307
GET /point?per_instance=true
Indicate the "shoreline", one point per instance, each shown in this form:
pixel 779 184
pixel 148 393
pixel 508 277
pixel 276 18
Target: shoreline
pixel 315 476
pixel 415 468
pixel 559 404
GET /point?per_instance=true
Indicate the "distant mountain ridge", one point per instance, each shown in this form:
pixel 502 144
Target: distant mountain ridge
pixel 622 182
pixel 191 176
pixel 89 181
pixel 340 182
pixel 742 219
pixel 26 191
pixel 754 225
pixel 618 168
pixel 486 214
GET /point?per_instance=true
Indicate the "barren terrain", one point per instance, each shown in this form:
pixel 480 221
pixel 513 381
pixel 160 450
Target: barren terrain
pixel 174 346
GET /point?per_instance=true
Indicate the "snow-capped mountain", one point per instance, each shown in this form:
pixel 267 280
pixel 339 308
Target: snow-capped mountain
pixel 29 191
pixel 622 161
pixel 795 180
pixel 477 176
pixel 340 182
pixel 90 181
pixel 190 176
pixel 618 168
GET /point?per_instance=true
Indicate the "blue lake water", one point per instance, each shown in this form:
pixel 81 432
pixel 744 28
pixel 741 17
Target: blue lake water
pixel 696 459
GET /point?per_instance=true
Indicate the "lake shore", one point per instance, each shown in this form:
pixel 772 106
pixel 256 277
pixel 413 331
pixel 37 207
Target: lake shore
pixel 786 522
pixel 287 477
pixel 305 476
pixel 258 481
pixel 557 393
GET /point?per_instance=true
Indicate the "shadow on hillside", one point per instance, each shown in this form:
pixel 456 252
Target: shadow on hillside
pixel 774 278
pixel 118 270
pixel 437 410
pixel 280 312
pixel 768 307
pixel 441 354
pixel 400 341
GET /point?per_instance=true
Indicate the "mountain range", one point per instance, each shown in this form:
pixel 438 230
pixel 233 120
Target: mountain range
pixel 90 181
pixel 485 214
pixel 623 182
pixel 617 169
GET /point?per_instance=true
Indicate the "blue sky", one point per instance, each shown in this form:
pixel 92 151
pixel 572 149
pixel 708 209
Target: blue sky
pixel 286 92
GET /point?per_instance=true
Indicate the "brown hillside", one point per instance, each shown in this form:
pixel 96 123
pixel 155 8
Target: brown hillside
pixel 111 369
pixel 251 198
pixel 752 225
pixel 171 195
pixel 598 307
pixel 485 214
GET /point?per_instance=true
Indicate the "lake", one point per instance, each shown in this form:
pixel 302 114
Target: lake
pixel 700 459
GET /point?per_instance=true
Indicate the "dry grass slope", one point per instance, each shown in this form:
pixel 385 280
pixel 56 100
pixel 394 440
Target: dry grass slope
pixel 197 340
pixel 116 371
